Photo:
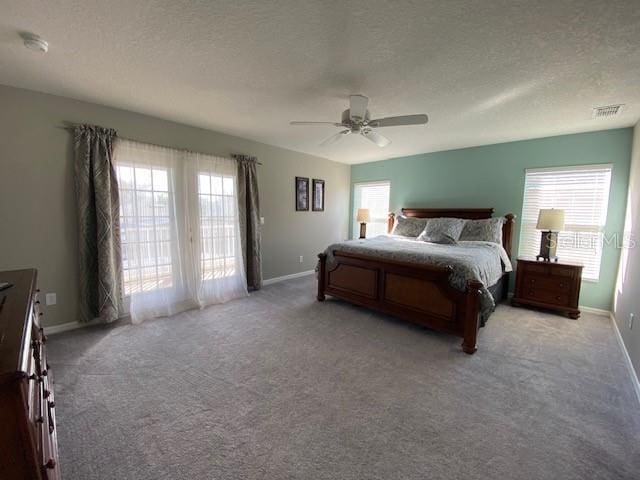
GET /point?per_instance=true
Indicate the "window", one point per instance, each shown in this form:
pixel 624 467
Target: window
pixel 583 193
pixel 180 230
pixel 216 195
pixel 144 227
pixel 375 197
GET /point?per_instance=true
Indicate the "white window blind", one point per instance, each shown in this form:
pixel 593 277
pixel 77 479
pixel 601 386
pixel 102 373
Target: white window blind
pixel 583 193
pixel 375 197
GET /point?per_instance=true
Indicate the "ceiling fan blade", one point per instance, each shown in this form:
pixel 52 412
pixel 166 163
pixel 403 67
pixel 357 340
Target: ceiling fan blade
pixel 358 106
pixel 316 123
pixel 375 137
pixel 334 138
pixel 399 121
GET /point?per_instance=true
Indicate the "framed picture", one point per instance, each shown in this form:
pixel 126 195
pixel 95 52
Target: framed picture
pixel 302 193
pixel 318 195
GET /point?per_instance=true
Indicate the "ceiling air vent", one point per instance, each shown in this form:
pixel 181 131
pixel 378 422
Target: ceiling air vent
pixel 607 111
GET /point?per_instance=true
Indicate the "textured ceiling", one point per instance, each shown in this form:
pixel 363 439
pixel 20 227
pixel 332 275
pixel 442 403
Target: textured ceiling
pixel 484 71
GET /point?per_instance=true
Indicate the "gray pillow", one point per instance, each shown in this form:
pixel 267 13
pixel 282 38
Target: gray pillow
pixel 486 230
pixel 408 226
pixel 442 230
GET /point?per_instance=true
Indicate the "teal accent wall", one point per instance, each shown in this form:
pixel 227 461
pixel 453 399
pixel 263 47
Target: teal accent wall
pixel 493 176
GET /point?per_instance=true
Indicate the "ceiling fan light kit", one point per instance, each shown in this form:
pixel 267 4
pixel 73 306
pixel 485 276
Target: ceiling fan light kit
pixel 35 42
pixel 357 120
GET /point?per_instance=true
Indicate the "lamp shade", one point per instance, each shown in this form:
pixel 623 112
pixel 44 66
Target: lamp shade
pixel 363 215
pixel 550 220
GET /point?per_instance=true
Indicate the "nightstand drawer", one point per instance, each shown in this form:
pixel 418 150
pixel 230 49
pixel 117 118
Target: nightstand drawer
pixel 549 283
pixel 561 271
pixel 534 268
pixel 545 296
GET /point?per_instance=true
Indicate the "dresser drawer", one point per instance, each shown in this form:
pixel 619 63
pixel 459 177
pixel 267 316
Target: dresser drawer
pixel 545 296
pixel 550 283
pixel 48 445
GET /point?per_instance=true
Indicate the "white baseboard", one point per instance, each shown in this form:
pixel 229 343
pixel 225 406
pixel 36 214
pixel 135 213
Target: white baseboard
pixel 595 311
pixel 63 327
pixel 632 371
pixel 271 281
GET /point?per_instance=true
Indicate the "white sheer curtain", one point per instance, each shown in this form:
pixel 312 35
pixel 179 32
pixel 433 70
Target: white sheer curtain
pixel 179 229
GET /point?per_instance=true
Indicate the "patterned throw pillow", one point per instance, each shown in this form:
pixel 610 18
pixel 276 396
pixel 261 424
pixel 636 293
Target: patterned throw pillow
pixel 408 226
pixel 486 230
pixel 442 230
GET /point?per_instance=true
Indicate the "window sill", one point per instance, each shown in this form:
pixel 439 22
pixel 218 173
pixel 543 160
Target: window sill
pixel 590 280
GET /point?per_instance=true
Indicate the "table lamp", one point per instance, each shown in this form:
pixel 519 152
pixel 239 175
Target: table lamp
pixel 550 221
pixel 363 217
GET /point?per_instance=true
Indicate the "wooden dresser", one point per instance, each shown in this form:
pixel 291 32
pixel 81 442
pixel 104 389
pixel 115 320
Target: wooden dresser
pixel 549 285
pixel 28 445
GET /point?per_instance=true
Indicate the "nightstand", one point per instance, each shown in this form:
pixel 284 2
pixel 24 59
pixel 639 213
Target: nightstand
pixel 549 285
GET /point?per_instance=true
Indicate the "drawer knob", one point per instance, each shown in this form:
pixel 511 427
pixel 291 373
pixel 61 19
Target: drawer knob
pixel 51 464
pixel 46 394
pixel 558 297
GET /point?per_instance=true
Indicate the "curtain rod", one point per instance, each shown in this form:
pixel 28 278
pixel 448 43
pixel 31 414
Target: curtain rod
pixel 72 126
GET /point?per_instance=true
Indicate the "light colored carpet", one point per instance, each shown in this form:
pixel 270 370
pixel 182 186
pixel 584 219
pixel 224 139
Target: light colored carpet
pixel 279 386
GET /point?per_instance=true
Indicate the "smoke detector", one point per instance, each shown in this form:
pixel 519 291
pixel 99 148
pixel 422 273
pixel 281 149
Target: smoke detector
pixel 35 42
pixel 607 111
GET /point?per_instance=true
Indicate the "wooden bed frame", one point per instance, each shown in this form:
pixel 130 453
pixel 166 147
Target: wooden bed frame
pixel 417 293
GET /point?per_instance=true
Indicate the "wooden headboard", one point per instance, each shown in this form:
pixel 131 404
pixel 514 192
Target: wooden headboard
pixel 468 213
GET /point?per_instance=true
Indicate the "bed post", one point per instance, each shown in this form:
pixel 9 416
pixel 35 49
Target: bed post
pixel 390 221
pixel 470 333
pixel 507 233
pixel 322 263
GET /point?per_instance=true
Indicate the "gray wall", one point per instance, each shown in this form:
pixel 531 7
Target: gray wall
pixel 37 197
pixel 628 288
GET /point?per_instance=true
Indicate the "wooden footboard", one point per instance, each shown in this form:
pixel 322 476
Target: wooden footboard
pixel 417 293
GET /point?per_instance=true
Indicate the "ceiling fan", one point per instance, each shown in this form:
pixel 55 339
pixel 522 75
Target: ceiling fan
pixel 358 121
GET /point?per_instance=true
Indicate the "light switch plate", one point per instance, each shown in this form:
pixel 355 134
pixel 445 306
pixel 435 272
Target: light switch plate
pixel 51 299
pixel 261 220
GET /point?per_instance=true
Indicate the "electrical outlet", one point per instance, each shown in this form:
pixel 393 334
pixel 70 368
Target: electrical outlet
pixel 631 317
pixel 301 259
pixel 51 298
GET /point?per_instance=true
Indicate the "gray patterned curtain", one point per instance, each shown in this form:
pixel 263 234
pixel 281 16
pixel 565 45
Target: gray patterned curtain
pixel 249 213
pixel 99 224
